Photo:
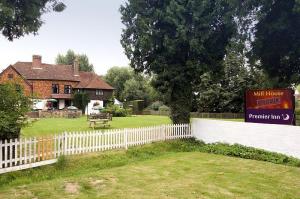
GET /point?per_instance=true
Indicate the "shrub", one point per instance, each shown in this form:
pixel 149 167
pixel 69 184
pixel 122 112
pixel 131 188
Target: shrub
pixel 116 111
pixel 164 108
pixel 155 105
pixel 13 107
pixel 235 150
pixel 81 100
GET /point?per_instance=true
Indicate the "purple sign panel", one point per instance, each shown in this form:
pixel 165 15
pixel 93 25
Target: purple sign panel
pixel 271 106
pixel 269 116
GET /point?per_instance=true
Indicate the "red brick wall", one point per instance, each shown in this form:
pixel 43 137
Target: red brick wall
pixel 43 88
pixel 16 78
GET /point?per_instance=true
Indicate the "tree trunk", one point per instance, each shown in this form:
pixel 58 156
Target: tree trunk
pixel 181 103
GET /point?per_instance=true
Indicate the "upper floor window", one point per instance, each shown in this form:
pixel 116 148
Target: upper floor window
pixel 55 88
pixel 10 76
pixel 99 92
pixel 68 89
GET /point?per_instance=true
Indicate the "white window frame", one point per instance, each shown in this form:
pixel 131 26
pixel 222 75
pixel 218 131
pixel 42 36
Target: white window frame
pixel 99 92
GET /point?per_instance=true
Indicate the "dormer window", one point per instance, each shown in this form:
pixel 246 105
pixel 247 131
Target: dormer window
pixel 10 76
pixel 99 92
pixel 55 88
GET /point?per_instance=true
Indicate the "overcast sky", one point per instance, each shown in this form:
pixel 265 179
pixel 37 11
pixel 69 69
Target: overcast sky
pixel 92 27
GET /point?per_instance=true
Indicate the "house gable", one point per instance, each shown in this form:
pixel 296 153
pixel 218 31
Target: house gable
pixel 10 74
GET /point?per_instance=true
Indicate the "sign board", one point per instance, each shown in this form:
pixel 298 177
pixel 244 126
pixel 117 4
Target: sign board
pixel 272 106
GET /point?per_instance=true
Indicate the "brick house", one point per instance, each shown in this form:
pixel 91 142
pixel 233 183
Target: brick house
pixel 54 84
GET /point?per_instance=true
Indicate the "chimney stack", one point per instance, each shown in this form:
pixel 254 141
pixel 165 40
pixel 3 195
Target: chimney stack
pixel 36 61
pixel 76 67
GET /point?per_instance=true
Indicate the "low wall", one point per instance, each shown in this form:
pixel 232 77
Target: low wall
pixel 152 112
pixel 200 115
pixel 55 114
pixel 277 138
pixel 218 115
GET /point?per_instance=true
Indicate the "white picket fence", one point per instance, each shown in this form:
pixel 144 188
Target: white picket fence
pixel 23 153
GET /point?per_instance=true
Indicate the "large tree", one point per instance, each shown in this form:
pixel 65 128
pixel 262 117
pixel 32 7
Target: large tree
pixel 18 18
pixel 276 40
pixel 225 92
pixel 117 76
pixel 69 58
pixel 130 85
pixel 177 40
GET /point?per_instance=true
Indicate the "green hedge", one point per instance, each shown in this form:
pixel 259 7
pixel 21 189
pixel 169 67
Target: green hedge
pixel 116 111
pixel 235 150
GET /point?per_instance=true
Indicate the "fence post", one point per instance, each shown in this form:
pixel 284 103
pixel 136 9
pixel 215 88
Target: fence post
pixel 1 153
pixel 65 143
pixel 163 132
pixel 125 139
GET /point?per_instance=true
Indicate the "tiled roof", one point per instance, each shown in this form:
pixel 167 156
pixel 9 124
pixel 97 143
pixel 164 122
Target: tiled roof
pixel 46 71
pixel 91 80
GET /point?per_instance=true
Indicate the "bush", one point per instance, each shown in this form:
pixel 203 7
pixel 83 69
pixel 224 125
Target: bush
pixel 235 150
pixel 116 111
pixel 155 105
pixel 13 107
pixel 164 108
pixel 81 100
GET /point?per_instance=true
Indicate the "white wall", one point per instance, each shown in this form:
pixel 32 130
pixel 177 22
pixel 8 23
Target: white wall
pixel 61 104
pixel 40 104
pixel 277 138
pixel 89 108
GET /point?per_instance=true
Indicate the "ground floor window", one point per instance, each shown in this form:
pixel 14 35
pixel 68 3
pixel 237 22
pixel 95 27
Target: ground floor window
pixel 68 103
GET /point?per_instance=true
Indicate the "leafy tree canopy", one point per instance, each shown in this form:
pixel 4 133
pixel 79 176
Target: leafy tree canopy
pixel 13 106
pixel 225 92
pixel 130 85
pixel 177 40
pixel 69 58
pixel 117 76
pixel 276 40
pixel 18 18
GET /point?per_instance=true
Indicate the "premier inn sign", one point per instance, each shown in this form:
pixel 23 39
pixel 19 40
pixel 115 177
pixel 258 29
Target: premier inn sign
pixel 275 106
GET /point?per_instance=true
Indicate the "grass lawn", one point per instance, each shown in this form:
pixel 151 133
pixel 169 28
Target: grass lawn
pixel 150 172
pixel 50 126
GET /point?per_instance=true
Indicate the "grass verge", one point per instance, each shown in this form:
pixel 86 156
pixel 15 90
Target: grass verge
pixel 79 164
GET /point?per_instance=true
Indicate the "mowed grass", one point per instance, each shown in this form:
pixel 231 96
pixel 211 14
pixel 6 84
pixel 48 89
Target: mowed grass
pixel 50 126
pixel 152 171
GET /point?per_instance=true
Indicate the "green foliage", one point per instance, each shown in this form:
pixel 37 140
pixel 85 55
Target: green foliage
pixel 13 105
pixel 81 100
pixel 177 41
pixel 235 150
pixel 116 111
pixel 276 42
pixel 18 18
pixel 117 76
pixel 155 105
pixel 164 108
pixel 129 85
pixel 69 58
pixel 224 92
